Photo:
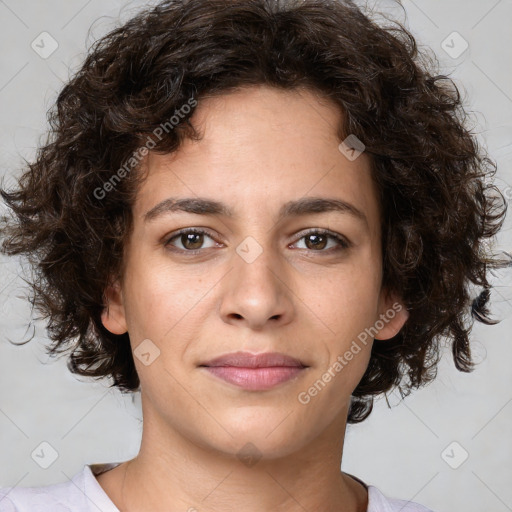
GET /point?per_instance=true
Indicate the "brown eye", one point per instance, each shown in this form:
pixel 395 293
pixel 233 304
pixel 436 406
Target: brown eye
pixel 323 242
pixel 192 240
pixel 315 241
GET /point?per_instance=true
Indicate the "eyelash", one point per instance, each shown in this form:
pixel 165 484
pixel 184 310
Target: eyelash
pixel 343 243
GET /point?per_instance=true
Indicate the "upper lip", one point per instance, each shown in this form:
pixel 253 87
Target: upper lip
pixel 248 360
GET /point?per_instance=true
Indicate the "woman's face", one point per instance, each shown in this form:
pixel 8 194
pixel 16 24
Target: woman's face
pixel 255 281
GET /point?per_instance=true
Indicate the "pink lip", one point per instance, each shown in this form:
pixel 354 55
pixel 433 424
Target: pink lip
pixel 255 371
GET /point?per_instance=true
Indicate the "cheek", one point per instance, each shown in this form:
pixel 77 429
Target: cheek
pixel 347 309
pixel 345 301
pixel 347 305
pixel 164 301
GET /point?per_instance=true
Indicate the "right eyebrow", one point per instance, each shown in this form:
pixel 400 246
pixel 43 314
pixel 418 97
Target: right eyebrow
pixel 199 206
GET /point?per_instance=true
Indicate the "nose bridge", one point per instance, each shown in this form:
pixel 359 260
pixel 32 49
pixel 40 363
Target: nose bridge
pixel 255 259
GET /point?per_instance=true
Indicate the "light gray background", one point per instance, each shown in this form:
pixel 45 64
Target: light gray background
pixel 406 451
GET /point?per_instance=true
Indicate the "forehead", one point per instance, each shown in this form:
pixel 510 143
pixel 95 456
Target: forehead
pixel 261 148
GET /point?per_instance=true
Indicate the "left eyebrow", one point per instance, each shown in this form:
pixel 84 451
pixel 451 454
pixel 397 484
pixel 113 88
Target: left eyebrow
pixel 309 205
pixel 303 206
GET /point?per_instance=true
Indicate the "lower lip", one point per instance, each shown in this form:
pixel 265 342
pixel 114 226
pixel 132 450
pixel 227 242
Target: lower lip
pixel 258 379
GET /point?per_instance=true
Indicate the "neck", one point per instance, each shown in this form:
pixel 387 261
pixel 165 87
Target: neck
pixel 171 472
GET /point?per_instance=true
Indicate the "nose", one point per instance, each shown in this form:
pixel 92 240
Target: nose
pixel 256 292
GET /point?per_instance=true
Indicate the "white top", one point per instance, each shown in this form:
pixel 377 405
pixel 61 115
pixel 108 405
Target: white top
pixel 83 493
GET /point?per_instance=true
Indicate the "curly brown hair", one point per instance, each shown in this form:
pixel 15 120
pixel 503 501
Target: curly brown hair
pixel 438 206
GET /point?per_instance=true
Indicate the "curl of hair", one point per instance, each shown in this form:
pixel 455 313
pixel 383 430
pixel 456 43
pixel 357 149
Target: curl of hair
pixel 438 208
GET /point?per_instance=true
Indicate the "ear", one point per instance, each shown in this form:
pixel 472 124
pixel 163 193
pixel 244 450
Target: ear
pixel 392 316
pixel 113 316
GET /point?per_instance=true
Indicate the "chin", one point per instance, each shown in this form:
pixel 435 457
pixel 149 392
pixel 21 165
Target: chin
pixel 268 440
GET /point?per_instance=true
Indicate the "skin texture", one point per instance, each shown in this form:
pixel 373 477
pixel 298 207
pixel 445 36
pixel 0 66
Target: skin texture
pixel 261 148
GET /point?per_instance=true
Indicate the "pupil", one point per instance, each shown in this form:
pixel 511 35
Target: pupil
pixel 189 239
pixel 317 238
